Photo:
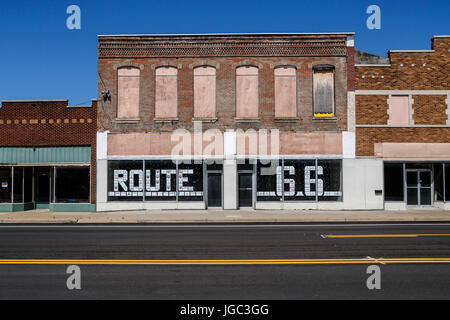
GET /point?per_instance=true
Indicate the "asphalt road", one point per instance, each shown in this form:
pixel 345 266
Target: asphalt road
pixel 243 276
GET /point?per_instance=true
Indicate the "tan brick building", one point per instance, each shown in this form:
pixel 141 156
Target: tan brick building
pixel 403 125
pixel 237 99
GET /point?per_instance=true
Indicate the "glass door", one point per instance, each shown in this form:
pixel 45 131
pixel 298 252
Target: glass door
pixel 425 188
pixel 419 185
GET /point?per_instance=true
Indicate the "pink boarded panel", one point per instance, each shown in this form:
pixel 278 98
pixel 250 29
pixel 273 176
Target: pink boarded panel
pixel 166 93
pixel 400 110
pixel 137 144
pixel 285 93
pixel 128 93
pixel 204 92
pixel 247 92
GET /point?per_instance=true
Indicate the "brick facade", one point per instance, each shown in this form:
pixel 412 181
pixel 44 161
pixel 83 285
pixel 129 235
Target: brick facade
pixel 50 123
pixel 422 75
pixel 225 53
pixel 430 109
pixel 372 109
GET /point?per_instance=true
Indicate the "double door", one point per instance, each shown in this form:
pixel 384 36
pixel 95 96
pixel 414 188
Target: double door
pixel 419 187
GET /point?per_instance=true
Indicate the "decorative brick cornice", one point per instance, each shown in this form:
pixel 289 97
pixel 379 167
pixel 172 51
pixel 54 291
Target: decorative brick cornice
pixel 143 48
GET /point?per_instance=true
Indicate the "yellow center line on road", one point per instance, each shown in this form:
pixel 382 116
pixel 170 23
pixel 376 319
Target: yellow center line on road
pixel 221 262
pixel 336 236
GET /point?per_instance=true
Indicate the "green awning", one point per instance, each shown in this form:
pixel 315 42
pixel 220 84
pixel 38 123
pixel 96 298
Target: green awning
pixel 38 155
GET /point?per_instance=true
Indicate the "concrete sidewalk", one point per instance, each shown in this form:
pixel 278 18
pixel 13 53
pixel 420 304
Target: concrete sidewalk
pixel 220 216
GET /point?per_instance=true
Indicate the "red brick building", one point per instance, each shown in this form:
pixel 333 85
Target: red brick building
pixel 47 156
pixel 403 123
pixel 210 97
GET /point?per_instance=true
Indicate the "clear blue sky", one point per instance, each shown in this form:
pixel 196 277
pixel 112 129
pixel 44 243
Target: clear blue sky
pixel 41 59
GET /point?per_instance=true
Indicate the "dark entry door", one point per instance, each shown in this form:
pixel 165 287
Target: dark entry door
pixel 42 187
pixel 214 190
pixel 245 190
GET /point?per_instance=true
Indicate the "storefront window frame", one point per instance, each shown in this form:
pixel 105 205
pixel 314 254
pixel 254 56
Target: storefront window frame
pixel 316 161
pixel 445 186
pixel 177 162
pixel 53 180
pixel 404 164
pixel 13 169
pixel 12 185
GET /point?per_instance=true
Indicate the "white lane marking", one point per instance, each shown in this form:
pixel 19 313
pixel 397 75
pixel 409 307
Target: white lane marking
pixel 323 236
pixel 375 260
pixel 207 225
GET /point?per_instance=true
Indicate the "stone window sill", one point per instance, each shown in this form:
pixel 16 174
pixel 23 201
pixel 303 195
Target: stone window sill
pixel 211 120
pixel 295 119
pixel 324 119
pixel 163 120
pixel 246 119
pixel 127 120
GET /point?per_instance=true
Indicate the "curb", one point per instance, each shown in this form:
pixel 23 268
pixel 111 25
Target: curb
pixel 85 221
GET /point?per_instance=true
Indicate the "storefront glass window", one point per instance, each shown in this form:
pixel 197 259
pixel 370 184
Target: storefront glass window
pixel 160 181
pixel 447 182
pixel 393 182
pixel 126 180
pixel 329 187
pixel 5 185
pixel 18 185
pixel 269 180
pixel 299 180
pixel 438 182
pixel 190 182
pixel 72 185
pixel 28 187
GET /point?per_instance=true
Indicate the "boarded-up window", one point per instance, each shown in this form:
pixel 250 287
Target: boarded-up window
pixel 399 110
pixel 247 92
pixel 128 93
pixel 323 91
pixel 166 93
pixel 285 92
pixel 204 92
